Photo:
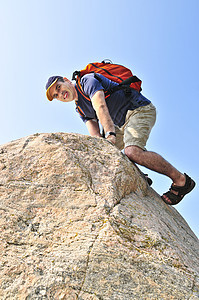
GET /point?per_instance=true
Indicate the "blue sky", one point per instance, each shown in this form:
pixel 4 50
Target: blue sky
pixel 157 39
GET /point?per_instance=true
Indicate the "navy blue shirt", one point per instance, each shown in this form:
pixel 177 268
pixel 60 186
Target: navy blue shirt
pixel 118 103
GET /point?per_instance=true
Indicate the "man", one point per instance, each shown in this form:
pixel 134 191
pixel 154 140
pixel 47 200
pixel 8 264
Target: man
pixel 127 118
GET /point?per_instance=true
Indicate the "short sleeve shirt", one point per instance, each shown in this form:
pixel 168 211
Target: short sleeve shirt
pixel 118 103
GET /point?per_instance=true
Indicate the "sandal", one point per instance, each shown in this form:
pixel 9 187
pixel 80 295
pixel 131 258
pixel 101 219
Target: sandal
pixel 149 180
pixel 181 191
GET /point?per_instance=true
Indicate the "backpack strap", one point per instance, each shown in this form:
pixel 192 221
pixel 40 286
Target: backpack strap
pixel 79 87
pixel 79 110
pixel 124 85
pixel 75 75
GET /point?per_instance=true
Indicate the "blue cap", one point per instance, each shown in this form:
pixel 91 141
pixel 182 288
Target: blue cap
pixel 50 82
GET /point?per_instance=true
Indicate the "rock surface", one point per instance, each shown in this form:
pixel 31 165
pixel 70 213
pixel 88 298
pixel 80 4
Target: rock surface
pixel 78 221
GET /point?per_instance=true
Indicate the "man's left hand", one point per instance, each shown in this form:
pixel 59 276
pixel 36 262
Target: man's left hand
pixel 112 139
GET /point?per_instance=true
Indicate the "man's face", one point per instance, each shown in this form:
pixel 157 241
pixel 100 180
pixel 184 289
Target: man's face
pixel 63 91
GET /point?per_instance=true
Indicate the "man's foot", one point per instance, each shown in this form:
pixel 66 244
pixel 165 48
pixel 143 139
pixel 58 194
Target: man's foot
pixel 149 180
pixel 176 193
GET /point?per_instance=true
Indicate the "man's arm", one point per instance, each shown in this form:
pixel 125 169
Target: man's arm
pixel 99 105
pixel 93 128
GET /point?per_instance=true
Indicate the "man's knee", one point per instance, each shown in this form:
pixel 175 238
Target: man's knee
pixel 133 152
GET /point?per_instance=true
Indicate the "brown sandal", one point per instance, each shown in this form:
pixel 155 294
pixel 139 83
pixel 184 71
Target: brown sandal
pixel 182 191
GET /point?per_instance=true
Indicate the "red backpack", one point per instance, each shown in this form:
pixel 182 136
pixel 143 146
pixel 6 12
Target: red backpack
pixel 114 72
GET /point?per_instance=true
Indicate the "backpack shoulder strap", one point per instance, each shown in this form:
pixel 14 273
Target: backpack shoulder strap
pixel 79 88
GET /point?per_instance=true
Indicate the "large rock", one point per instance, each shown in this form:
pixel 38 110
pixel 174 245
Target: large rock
pixel 78 221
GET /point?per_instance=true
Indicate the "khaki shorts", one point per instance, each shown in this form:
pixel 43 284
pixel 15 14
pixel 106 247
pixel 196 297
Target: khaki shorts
pixel 137 127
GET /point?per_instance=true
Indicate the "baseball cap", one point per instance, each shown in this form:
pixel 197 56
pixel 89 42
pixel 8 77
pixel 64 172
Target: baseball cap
pixel 51 80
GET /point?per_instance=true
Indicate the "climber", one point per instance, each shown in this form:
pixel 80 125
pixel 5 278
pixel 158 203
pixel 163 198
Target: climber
pixel 127 119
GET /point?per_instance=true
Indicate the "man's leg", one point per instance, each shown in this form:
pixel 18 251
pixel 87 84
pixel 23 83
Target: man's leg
pixel 182 183
pixel 155 162
pixel 136 132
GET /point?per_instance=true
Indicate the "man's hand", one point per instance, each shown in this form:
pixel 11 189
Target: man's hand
pixel 112 139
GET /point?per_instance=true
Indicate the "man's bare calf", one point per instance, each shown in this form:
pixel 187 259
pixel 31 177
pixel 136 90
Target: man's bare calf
pixel 155 162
